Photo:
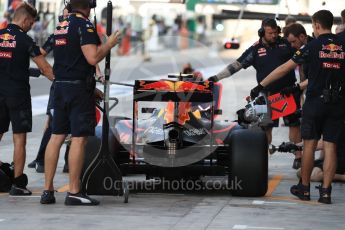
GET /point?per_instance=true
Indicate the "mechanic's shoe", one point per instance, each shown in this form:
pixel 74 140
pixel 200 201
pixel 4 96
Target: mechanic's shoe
pixel 325 194
pixel 18 191
pixel 297 163
pixel 39 167
pixel 47 197
pixel 65 168
pixel 19 186
pixel 80 199
pixel 32 164
pixel 301 191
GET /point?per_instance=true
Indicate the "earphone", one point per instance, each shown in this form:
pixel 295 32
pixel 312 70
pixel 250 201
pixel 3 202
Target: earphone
pixel 268 22
pixel 92 4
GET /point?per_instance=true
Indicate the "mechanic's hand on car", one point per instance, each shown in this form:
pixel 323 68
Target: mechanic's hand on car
pixel 255 91
pixel 213 78
pixel 291 90
pixel 99 95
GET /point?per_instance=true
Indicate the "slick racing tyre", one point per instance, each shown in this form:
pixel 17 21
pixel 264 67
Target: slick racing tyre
pixel 249 163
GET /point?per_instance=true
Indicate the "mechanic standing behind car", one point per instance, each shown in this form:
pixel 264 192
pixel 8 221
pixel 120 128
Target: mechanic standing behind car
pixel 265 55
pixel 76 52
pixel 16 49
pixel 323 110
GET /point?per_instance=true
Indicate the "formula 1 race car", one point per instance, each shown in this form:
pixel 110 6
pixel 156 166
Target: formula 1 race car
pixel 180 138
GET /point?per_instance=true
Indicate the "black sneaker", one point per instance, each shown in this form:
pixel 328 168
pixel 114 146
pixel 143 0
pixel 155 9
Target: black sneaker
pixel 297 163
pixel 47 197
pixel 301 191
pixel 18 191
pixel 80 199
pixel 32 164
pixel 39 167
pixel 325 194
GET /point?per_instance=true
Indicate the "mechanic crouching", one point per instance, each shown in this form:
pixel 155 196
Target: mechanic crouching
pixel 323 111
pixel 77 50
pixel 16 49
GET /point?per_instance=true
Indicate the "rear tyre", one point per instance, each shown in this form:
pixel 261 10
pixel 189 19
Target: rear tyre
pixel 248 163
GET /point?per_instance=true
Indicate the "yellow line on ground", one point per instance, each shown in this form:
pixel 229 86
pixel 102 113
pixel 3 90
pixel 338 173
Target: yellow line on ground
pixel 64 188
pixel 289 198
pixel 272 184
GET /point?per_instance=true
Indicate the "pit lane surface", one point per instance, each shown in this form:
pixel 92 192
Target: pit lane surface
pixel 147 209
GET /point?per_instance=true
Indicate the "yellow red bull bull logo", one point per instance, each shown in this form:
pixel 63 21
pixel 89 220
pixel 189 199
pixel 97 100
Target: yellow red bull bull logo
pixel 7 37
pixel 332 47
pixel 158 85
pixel 179 86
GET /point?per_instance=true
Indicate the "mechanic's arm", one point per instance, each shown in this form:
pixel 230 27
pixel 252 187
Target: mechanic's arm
pixel 94 54
pixel 244 61
pixel 229 70
pixel 279 72
pixel 99 74
pixel 44 66
pixel 43 52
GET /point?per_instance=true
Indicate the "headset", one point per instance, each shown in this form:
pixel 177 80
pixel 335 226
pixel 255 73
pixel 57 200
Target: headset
pixel 268 22
pixel 92 4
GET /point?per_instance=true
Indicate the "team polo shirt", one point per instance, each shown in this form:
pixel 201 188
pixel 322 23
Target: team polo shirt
pixel 265 58
pixel 16 48
pixel 325 59
pixel 70 35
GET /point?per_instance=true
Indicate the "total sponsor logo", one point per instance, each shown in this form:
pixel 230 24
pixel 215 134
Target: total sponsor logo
pixel 5 54
pixel 7 37
pixel 329 65
pixel 60 42
pixel 332 47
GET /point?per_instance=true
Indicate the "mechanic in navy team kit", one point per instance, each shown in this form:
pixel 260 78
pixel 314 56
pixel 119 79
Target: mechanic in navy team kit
pixel 323 111
pixel 38 163
pixel 297 36
pixel 16 49
pixel 265 55
pixel 77 50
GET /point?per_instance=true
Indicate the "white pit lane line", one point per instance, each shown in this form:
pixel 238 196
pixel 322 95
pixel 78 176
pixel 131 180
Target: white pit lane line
pixel 1 220
pixel 24 196
pixel 238 226
pixel 262 202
